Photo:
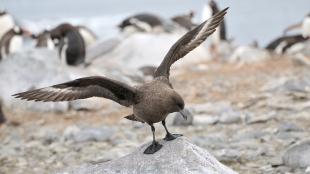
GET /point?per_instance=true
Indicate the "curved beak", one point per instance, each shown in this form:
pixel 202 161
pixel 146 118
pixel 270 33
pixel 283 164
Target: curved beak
pixel 183 113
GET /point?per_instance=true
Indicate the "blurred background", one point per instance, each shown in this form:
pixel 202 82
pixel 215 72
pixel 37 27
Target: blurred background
pixel 103 16
pixel 246 88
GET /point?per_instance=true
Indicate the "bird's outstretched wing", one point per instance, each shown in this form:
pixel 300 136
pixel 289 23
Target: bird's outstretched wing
pixel 82 88
pixel 188 42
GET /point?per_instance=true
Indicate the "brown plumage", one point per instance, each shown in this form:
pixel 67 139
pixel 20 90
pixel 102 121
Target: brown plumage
pixel 152 101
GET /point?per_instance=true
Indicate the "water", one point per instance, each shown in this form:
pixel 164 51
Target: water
pixel 247 20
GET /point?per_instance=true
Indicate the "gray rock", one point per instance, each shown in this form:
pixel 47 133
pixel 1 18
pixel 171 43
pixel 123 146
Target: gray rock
pixel 204 119
pixel 230 117
pixel 276 161
pixel 298 156
pixel 228 155
pixel 211 108
pixel 75 134
pixel 175 157
pixel 288 84
pixel 248 54
pixel 252 119
pixel 180 121
pixel 289 127
pixel 47 135
pixel 90 104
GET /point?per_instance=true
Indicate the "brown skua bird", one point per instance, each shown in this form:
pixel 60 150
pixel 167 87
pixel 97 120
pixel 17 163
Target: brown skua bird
pixel 152 101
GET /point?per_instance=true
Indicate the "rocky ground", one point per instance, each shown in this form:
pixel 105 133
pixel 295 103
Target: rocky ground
pixel 247 116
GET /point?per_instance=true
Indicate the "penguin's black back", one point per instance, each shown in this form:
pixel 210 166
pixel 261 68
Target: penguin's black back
pixel 222 28
pixel 290 41
pixel 75 47
pixel 150 19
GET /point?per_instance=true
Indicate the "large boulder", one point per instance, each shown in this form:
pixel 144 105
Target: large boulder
pixel 176 157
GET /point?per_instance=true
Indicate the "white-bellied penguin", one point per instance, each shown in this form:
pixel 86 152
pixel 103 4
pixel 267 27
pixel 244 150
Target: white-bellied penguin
pixel 71 44
pixel 12 41
pixel 209 10
pixel 6 22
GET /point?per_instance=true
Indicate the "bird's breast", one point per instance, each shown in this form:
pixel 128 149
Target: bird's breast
pixel 153 105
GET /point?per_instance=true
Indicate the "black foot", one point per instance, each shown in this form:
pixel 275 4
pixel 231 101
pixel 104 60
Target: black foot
pixel 154 147
pixel 170 137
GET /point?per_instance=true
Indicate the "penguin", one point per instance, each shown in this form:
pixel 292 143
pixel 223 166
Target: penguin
pixel 282 44
pixel 305 27
pixel 185 21
pixel 143 22
pixel 6 22
pixel 44 40
pixel 71 47
pixel 11 42
pixel 209 10
pixel 88 35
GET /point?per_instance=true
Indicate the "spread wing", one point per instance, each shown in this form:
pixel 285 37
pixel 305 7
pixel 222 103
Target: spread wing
pixel 82 88
pixel 188 42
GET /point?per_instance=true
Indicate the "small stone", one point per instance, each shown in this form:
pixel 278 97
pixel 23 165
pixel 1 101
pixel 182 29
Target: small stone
pixel 253 119
pixel 289 127
pixel 228 155
pixel 88 134
pixel 276 162
pixel 47 136
pixel 204 119
pixel 70 132
pixel 230 117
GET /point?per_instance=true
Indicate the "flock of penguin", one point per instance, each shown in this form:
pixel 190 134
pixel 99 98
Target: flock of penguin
pixel 71 41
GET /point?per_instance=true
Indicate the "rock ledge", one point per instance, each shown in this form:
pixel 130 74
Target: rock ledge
pixel 176 157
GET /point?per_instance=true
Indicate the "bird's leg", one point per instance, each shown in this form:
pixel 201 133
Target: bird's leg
pixel 169 136
pixel 155 146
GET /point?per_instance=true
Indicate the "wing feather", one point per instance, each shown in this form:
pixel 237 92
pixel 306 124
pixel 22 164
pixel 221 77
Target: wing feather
pixel 82 88
pixel 188 42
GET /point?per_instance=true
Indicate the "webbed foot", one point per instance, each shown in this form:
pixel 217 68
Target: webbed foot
pixel 154 147
pixel 170 137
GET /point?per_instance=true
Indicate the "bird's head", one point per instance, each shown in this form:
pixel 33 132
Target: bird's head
pixel 178 105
